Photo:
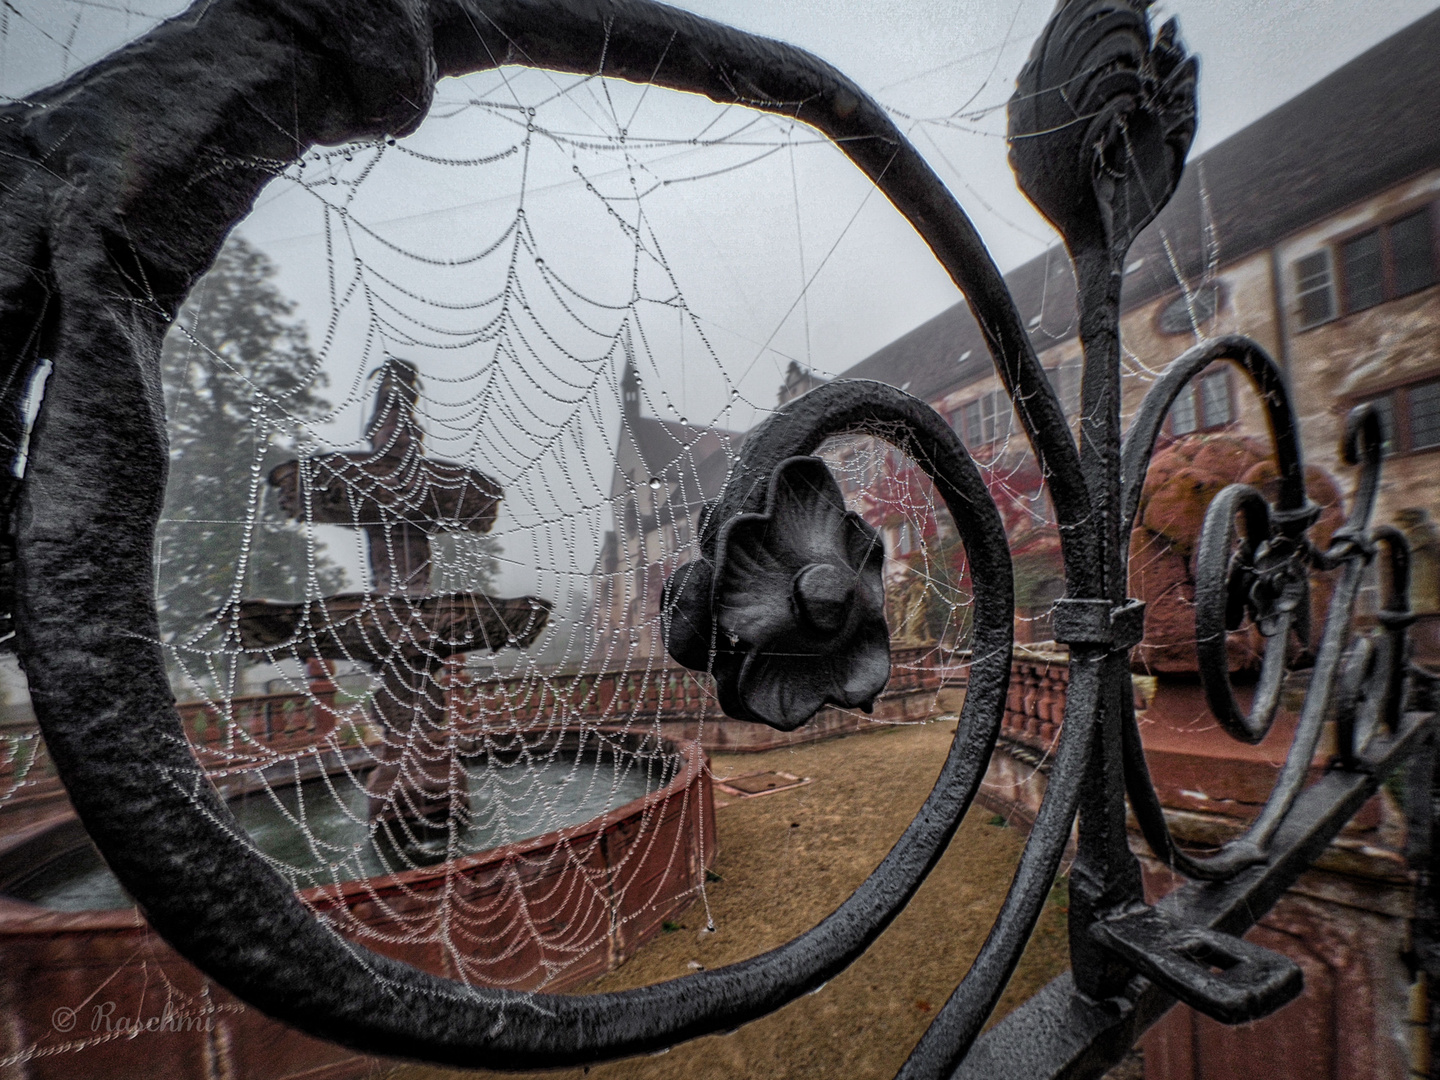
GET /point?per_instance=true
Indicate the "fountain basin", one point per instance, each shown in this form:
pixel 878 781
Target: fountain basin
pixel 550 912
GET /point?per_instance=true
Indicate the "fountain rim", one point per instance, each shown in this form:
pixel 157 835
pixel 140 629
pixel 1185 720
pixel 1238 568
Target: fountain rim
pixel 22 917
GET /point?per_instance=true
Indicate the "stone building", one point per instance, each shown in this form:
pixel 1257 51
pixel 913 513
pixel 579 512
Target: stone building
pixel 664 474
pixel 1316 231
pixel 798 380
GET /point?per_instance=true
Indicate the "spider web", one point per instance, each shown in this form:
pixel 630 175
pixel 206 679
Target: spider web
pixel 525 331
pixel 567 349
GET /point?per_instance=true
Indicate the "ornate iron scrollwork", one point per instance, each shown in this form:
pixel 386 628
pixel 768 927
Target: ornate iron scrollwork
pixel 1099 127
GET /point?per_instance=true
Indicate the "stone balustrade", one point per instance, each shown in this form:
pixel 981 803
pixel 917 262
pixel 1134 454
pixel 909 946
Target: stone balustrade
pixel 1035 704
pixel 278 722
pixel 924 683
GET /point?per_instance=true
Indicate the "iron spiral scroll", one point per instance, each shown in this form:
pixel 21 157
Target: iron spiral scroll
pixel 113 212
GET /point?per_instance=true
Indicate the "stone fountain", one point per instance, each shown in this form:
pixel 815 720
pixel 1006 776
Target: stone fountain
pixel 399 629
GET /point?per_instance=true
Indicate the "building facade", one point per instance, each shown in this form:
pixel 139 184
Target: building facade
pixel 664 474
pixel 1315 231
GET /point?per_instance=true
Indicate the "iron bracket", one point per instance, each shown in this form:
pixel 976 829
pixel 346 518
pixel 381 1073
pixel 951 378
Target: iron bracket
pixel 1225 977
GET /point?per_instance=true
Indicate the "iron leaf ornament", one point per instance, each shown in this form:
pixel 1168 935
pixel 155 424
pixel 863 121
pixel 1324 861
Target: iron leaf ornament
pixel 792 605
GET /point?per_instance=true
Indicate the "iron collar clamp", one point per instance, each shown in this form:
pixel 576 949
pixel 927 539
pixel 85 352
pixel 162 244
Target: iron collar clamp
pixel 1392 619
pixel 1097 622
pixel 1295 521
pixel 1347 542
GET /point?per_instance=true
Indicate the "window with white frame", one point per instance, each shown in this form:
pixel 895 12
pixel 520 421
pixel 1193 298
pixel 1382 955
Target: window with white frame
pixel 1410 417
pixel 1315 288
pixel 1192 311
pixel 1205 404
pixel 905 540
pixel 1065 381
pixel 1391 260
pixel 986 419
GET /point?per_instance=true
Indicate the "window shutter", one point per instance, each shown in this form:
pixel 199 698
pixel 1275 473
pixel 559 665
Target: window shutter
pixel 1364 270
pixel 1412 247
pixel 1425 416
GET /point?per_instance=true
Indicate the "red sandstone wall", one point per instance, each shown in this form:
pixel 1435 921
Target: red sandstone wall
pixel 591 896
pixel 1351 1022
pixel 1345 922
pixel 924 683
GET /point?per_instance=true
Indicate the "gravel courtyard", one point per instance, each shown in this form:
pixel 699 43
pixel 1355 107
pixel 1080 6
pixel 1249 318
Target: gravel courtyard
pixel 785 861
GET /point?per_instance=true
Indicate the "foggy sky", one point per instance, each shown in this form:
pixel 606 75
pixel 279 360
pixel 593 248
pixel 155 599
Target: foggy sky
pixel 766 249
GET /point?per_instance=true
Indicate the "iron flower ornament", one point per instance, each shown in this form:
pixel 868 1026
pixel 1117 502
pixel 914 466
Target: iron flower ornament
pixel 792 604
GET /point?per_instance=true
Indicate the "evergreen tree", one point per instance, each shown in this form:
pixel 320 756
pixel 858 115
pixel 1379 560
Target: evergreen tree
pixel 240 379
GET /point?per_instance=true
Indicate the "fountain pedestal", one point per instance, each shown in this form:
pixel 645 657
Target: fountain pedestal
pixel 399 498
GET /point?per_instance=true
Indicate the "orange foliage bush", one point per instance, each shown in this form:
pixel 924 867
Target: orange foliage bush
pixel 1184 477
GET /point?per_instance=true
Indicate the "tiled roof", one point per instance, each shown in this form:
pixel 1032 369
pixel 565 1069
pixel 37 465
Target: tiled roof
pixel 1368 125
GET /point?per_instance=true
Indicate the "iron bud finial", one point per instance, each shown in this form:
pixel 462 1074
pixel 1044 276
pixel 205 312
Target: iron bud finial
pixel 1101 120
pixel 824 593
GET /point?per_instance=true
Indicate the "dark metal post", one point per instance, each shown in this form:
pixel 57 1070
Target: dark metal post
pixel 1105 876
pixel 1422 806
pixel 1099 127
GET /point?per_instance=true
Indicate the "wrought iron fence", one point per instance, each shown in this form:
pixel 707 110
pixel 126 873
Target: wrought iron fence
pixel 120 185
